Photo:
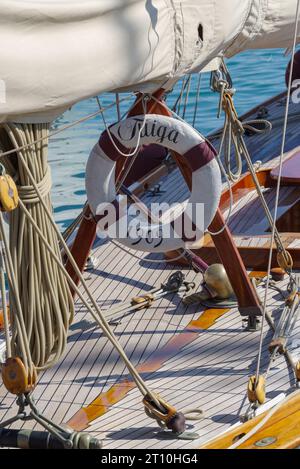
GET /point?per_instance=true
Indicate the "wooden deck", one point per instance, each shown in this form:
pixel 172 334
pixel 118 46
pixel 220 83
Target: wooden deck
pixel 205 363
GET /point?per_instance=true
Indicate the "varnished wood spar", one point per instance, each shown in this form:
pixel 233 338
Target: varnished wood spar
pixel 82 244
pixel 99 406
pixel 248 302
pixel 254 257
pixel 283 427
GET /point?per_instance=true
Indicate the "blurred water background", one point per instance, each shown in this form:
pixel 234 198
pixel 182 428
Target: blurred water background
pixel 257 76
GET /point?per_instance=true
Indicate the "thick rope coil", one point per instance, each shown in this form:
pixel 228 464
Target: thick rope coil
pixel 39 324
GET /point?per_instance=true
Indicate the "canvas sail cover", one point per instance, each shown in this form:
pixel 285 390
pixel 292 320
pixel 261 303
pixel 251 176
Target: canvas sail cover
pixel 54 53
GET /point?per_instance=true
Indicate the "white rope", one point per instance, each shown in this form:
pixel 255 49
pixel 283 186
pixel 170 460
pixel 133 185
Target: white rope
pixel 61 129
pixel 277 194
pixel 177 105
pixel 121 177
pixel 197 99
pixel 187 93
pixel 133 153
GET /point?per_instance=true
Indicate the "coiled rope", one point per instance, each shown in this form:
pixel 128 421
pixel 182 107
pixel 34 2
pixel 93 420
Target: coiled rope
pixel 41 320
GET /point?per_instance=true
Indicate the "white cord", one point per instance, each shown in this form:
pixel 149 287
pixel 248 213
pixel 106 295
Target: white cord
pixel 277 194
pixel 62 129
pixel 126 155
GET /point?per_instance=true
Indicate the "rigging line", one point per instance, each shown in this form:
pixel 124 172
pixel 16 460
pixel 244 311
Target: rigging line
pixel 19 322
pixel 4 302
pixel 177 103
pixel 187 93
pixel 118 106
pixel 62 129
pixel 277 193
pixel 197 99
pixel 121 178
pixel 134 152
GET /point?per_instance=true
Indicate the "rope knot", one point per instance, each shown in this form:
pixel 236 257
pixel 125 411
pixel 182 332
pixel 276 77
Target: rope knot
pixel 28 194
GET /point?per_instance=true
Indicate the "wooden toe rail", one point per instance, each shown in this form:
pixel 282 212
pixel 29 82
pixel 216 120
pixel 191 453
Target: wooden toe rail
pixel 281 431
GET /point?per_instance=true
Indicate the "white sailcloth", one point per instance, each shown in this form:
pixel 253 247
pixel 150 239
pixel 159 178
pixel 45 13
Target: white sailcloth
pixel 54 53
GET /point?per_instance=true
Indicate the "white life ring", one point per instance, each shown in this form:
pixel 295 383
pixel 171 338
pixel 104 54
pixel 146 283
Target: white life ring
pixel 174 135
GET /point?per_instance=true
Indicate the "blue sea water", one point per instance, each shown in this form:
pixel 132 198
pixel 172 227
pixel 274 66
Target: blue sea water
pixel 257 76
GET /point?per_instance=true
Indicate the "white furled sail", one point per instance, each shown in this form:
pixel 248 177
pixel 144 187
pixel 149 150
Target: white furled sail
pixel 54 53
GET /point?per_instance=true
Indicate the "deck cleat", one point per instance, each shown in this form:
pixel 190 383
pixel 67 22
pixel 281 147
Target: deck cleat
pixel 251 323
pixel 257 391
pixel 267 441
pixel 188 436
pixel 175 281
pixel 91 263
pixel 277 274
